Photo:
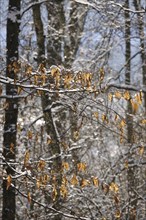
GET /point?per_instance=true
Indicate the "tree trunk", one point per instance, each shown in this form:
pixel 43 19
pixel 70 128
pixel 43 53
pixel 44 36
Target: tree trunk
pixel 141 25
pixel 73 32
pixel 58 53
pixel 47 100
pixel 131 215
pixel 56 20
pixel 11 110
pixel 64 37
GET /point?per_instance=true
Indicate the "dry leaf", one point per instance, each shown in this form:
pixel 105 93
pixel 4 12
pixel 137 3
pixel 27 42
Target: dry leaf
pixel 74 181
pixel 28 69
pixel 55 70
pixel 67 80
pixel 65 165
pixel 12 148
pixel 41 165
pixel 123 123
pixel 26 158
pixel 76 135
pixel 19 90
pixel 64 145
pixel 138 98
pixel 110 97
pixel 121 139
pixel 9 181
pixel 126 164
pixel 84 183
pixel 42 68
pixel 6 105
pixel 96 115
pixel 63 191
pixel 116 117
pixel 29 197
pixel 29 134
pixel 38 184
pixel 95 181
pixel 64 180
pixel 118 95
pixel 104 118
pixel 143 121
pixel 45 179
pixel 101 74
pixel 105 188
pixel 54 193
pixel 114 187
pixel 116 199
pixel 16 66
pixel 135 106
pixel 117 214
pixel 126 95
pixel 81 167
pixel 141 150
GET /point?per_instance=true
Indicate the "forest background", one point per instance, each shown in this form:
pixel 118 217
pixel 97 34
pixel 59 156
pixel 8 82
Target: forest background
pixel 73 109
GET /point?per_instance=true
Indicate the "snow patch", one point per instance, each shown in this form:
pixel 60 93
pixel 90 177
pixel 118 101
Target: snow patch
pixel 13 15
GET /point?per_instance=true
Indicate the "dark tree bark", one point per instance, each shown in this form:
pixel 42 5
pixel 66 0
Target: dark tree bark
pixel 39 32
pixel 11 110
pixel 128 71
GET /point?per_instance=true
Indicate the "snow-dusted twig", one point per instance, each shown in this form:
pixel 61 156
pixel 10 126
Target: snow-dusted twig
pixel 50 207
pixel 31 5
pixel 127 87
pixel 127 9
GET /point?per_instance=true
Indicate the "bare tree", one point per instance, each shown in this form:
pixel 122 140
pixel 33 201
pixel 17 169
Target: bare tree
pixel 59 52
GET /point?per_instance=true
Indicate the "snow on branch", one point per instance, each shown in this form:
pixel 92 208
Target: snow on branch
pixel 127 87
pixel 31 5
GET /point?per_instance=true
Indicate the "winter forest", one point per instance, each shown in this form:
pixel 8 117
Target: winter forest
pixel 73 109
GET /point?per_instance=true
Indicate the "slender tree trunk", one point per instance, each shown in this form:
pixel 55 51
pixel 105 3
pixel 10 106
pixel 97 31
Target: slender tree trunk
pixel 73 32
pixel 11 110
pixel 55 41
pixel 141 26
pixel 47 100
pixel 131 215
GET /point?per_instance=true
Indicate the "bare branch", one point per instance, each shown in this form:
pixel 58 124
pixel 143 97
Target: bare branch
pixel 127 87
pixel 49 207
pixel 31 5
